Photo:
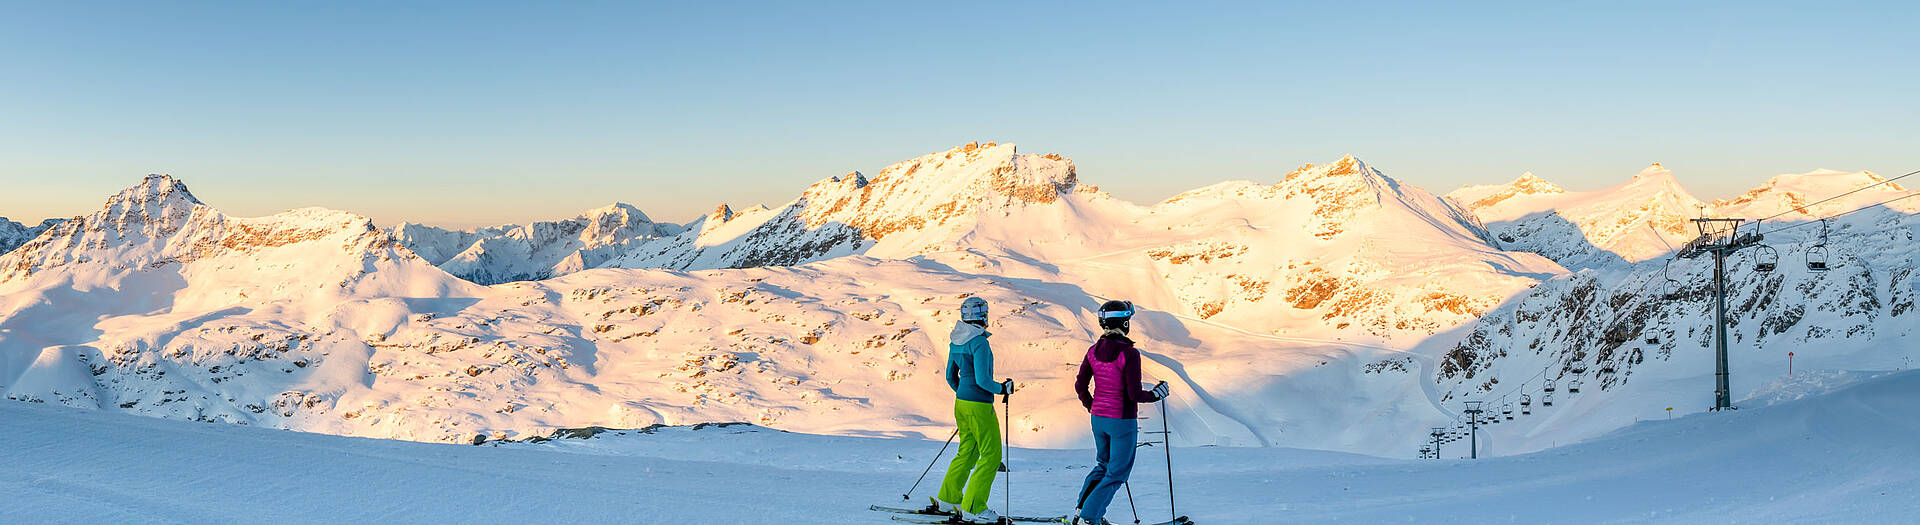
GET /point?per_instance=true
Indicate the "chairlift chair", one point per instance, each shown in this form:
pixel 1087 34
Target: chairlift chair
pixel 1766 259
pixel 1818 256
pixel 1546 400
pixel 1669 290
pixel 1507 410
pixel 1578 367
pixel 1549 386
pixel 1573 387
pixel 1526 404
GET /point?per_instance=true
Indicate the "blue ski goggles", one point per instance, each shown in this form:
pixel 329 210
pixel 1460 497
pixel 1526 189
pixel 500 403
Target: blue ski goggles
pixel 1110 314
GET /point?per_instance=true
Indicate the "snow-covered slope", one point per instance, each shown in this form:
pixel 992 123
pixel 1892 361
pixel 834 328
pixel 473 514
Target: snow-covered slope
pixel 1642 219
pixel 534 251
pixel 13 234
pixel 1837 457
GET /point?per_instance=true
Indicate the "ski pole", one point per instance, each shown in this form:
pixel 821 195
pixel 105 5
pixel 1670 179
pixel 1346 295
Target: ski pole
pixel 1006 483
pixel 936 459
pixel 1166 437
pixel 1130 505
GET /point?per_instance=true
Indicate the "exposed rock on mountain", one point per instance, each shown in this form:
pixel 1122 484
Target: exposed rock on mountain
pixel 13 234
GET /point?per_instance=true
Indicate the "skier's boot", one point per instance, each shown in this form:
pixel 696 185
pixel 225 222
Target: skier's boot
pixel 941 507
pixel 985 516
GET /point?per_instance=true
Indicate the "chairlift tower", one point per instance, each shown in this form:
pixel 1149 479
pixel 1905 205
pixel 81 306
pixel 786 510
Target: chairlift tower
pixel 1719 238
pixel 1473 422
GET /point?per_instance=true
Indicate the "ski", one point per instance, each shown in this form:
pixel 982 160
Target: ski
pixel 921 515
pixel 1004 520
pixel 1177 521
pixel 898 510
pixel 921 518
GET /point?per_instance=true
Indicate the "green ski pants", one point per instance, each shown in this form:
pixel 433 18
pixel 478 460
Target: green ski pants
pixel 970 477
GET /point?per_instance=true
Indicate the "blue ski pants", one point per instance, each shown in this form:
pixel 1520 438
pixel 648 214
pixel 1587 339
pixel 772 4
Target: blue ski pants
pixel 1114 441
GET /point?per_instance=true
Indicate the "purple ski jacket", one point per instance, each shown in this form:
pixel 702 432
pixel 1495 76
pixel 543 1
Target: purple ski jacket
pixel 1112 366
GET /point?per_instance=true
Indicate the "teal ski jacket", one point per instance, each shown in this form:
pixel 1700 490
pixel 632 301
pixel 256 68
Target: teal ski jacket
pixel 970 364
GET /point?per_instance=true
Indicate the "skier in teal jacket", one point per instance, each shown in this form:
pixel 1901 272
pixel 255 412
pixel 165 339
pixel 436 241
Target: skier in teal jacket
pixel 969 478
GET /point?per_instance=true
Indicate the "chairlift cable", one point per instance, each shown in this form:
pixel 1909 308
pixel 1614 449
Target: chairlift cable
pixel 1861 189
pixel 1843 214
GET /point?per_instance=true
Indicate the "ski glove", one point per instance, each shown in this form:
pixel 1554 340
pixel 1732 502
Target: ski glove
pixel 1160 391
pixel 1006 387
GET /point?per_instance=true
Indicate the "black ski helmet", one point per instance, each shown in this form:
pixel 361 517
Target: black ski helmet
pixel 1114 315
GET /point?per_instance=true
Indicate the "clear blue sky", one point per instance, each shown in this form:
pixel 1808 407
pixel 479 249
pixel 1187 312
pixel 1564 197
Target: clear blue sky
pixel 469 113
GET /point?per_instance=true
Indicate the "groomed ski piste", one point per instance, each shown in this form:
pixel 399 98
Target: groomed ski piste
pixel 1830 447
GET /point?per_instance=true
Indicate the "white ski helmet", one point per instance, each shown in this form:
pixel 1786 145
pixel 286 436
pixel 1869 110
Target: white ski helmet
pixel 973 309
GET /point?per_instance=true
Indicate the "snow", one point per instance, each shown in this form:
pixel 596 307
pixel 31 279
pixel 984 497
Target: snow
pixel 1833 457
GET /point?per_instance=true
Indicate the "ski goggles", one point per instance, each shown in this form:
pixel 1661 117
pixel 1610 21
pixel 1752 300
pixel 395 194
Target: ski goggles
pixel 1110 314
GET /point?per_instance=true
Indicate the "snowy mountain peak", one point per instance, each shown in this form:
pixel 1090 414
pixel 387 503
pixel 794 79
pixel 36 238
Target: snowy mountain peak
pixel 1348 166
pixel 1530 184
pixel 155 187
pixel 1658 182
pixel 618 209
pixel 1656 173
pixel 975 171
pixel 1794 195
pixel 1340 188
pixel 853 178
pixel 158 199
pixel 938 187
pixel 1478 197
pixel 156 231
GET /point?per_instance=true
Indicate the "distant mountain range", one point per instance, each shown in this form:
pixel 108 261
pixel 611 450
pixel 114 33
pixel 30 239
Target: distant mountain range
pixel 1334 307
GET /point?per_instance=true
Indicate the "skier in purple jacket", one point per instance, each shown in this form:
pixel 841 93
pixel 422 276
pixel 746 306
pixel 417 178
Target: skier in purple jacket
pixel 1112 366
